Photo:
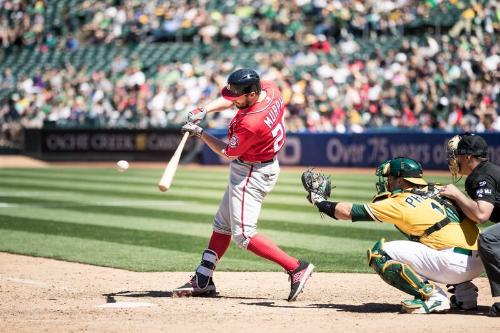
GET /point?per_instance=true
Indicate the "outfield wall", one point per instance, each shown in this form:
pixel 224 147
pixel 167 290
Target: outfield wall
pixel 304 149
pixel 103 144
pixel 365 149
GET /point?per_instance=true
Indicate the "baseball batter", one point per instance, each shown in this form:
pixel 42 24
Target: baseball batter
pixel 256 134
pixel 441 247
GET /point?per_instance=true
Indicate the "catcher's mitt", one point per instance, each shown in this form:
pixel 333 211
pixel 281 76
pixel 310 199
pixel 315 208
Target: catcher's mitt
pixel 317 183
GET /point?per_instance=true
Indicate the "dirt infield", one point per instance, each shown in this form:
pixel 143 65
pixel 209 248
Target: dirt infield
pixel 44 295
pixel 20 161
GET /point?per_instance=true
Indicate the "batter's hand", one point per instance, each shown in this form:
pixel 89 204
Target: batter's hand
pixel 192 129
pixel 450 191
pixel 197 115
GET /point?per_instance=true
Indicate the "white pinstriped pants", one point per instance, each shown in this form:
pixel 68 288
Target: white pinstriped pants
pixel 238 213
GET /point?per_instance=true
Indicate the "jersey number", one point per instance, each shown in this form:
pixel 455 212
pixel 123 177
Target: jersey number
pixel 436 207
pixel 278 134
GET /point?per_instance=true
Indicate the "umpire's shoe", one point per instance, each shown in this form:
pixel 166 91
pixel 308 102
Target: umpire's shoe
pixel 198 286
pixel 298 279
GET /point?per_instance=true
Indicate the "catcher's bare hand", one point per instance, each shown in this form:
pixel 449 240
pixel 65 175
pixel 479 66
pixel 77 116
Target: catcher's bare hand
pixel 317 185
pixel 197 115
pixel 192 129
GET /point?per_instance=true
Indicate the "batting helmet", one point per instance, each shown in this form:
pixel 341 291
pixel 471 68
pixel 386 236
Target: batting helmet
pixel 241 82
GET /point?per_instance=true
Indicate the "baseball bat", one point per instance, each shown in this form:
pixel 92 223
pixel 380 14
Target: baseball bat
pixel 168 174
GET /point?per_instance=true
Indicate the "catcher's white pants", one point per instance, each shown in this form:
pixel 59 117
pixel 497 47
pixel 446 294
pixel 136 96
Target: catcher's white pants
pixel 239 210
pixel 442 266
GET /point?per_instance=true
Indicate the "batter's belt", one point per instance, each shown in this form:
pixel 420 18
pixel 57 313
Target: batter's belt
pixel 255 162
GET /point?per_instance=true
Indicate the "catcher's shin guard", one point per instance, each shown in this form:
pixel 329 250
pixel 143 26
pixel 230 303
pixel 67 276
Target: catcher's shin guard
pixel 397 274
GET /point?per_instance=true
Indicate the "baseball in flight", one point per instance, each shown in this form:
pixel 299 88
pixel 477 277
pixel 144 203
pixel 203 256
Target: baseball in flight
pixel 122 165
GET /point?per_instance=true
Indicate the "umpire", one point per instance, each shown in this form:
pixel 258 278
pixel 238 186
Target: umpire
pixel 468 156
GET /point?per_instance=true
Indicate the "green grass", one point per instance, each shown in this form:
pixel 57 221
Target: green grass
pixel 102 217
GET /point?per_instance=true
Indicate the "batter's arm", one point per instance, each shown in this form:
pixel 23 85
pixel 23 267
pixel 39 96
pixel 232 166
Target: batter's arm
pixel 218 104
pixel 217 145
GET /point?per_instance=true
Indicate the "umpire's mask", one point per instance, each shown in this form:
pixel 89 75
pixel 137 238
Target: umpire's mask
pixel 452 157
pixel 467 144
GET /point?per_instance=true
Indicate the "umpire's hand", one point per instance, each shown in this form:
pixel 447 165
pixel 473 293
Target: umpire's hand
pixel 192 129
pixel 450 191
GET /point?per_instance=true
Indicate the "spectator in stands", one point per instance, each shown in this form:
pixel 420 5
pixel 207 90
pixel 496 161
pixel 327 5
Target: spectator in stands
pixel 440 83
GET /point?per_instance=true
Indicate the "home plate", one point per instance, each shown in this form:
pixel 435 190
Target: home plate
pixel 126 305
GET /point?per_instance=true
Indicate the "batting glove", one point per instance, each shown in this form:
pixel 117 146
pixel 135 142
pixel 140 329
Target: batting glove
pixel 192 129
pixel 197 115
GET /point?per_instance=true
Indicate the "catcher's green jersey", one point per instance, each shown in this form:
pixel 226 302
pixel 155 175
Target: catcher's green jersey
pixel 413 214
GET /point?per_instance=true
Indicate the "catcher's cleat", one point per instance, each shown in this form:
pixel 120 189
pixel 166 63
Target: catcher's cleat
pixel 192 289
pixel 464 296
pixel 415 306
pixel 494 310
pixel 462 305
pixel 298 279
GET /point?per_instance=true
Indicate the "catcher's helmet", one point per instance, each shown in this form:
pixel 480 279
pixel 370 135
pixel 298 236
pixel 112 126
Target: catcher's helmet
pixel 407 168
pixel 240 82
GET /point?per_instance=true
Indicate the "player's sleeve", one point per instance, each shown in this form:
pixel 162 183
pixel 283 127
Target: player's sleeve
pixel 239 142
pixel 484 190
pixel 385 211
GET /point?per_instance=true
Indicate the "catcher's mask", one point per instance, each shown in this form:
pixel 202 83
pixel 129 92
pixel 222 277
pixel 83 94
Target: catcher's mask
pixel 407 168
pixel 467 144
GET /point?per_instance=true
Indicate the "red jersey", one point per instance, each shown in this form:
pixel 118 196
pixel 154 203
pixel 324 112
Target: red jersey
pixel 257 133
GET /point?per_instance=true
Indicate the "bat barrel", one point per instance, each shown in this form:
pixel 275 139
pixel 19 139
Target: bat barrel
pixel 168 174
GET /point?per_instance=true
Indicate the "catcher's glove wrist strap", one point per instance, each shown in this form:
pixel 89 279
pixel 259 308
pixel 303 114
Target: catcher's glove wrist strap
pixel 327 207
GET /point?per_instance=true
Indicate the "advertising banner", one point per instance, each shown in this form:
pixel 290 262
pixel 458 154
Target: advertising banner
pixel 365 149
pixel 105 143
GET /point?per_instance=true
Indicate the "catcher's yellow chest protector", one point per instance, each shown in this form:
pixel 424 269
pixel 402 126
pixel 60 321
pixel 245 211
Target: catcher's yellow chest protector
pixel 413 214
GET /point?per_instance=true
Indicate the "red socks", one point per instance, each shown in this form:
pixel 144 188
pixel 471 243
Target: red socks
pixel 264 247
pixel 219 243
pixel 260 245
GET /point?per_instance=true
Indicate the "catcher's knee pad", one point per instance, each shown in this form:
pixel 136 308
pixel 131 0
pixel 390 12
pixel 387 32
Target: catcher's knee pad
pixel 397 274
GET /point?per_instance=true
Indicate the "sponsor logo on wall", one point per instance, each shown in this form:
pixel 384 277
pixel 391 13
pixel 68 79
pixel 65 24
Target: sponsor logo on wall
pixel 110 141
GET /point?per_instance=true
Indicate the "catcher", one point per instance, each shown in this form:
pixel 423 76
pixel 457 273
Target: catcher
pixel 440 246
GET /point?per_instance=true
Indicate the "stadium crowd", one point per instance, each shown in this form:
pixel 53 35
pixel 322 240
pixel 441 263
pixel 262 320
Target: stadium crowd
pixel 238 21
pixel 447 81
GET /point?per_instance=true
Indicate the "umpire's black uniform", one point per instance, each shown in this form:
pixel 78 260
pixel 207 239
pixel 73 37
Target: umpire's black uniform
pixel 484 184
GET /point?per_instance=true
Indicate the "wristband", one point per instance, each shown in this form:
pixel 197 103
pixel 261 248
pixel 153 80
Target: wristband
pixel 327 207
